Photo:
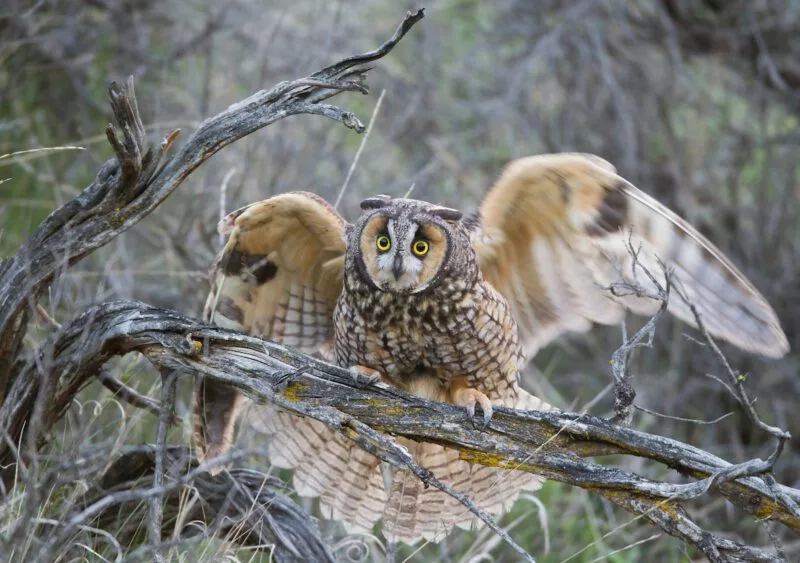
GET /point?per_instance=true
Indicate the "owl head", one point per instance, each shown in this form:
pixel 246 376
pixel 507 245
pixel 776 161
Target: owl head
pixel 407 246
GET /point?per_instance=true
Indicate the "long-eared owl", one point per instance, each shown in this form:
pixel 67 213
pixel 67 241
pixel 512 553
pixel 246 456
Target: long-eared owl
pixel 447 307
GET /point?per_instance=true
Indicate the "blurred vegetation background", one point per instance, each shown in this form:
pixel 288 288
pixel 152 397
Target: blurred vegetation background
pixel 695 101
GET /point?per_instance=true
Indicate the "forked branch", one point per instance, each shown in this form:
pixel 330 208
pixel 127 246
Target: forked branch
pixel 128 187
pixel 35 393
pixel 551 444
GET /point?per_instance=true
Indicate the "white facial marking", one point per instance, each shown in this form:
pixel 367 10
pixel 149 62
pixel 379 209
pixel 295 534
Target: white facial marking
pixel 411 264
pixel 385 259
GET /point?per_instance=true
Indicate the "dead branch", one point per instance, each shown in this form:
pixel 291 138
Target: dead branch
pixel 550 444
pixel 132 396
pixel 168 380
pixel 130 186
pixel 624 392
pixel 240 502
pixel 126 189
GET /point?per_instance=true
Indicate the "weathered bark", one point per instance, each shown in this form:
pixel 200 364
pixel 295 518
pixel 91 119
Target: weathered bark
pixel 130 186
pixel 551 444
pixel 35 392
pixel 250 504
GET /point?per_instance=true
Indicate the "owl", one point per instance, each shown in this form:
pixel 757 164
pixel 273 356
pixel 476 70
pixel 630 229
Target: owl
pixel 446 306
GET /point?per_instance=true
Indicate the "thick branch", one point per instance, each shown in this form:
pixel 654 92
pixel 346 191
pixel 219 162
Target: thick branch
pixel 246 504
pixel 130 186
pixel 551 444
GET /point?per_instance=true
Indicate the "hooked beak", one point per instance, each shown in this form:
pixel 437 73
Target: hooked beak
pixel 397 267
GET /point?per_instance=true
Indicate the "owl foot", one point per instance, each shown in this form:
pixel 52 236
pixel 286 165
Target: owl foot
pixel 285 378
pixel 364 376
pixel 468 397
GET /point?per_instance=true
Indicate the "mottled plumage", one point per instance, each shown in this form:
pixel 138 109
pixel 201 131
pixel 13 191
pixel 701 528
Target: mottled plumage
pixel 447 307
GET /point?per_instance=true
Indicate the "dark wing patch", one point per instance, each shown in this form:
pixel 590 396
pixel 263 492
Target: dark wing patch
pixel 278 276
pixel 555 232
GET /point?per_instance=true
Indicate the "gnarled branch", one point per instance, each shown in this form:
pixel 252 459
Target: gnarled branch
pixel 251 506
pixel 550 444
pixel 128 187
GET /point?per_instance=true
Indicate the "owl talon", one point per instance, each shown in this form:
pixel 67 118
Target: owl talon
pixel 487 418
pixel 364 376
pixel 285 378
pixel 468 397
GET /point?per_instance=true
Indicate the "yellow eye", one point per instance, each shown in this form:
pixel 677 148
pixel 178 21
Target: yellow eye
pixel 383 243
pixel 420 248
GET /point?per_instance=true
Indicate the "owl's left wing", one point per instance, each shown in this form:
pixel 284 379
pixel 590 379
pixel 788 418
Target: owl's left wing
pixel 556 230
pixel 279 277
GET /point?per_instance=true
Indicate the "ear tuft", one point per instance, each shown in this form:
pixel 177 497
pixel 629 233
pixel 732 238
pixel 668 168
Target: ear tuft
pixel 448 214
pixel 375 202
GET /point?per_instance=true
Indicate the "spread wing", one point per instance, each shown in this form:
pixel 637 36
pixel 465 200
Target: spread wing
pixel 278 276
pixel 555 231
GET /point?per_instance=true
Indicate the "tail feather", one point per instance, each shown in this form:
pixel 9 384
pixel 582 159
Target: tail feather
pixel 328 465
pixel 415 513
pixel 351 488
pixel 319 471
pixel 356 498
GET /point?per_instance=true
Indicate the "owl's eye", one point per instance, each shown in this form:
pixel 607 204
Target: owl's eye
pixel 384 243
pixel 420 247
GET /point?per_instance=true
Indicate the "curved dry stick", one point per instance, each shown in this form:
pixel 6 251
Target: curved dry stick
pixel 244 504
pixel 550 444
pixel 141 176
pixel 126 189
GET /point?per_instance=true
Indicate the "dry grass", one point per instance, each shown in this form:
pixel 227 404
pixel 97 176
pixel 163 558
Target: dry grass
pixel 709 133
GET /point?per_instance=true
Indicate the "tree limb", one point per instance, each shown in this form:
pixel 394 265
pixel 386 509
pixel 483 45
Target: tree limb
pixel 242 503
pixel 128 187
pixel 550 444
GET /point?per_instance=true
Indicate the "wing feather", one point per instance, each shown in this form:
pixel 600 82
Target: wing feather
pixel 414 512
pixel 278 276
pixel 556 230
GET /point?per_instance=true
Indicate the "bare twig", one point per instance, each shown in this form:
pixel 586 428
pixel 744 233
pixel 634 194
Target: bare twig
pixel 227 501
pixel 735 382
pixel 223 191
pixel 624 393
pixel 132 396
pixel 327 393
pixel 360 149
pixel 682 419
pixel 169 378
pixel 46 316
pixel 735 385
pixel 40 150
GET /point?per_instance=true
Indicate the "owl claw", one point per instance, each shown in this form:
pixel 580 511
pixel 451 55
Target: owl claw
pixel 364 376
pixel 286 378
pixel 468 398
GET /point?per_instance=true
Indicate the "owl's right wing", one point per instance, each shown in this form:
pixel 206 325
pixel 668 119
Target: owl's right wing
pixel 557 230
pixel 279 277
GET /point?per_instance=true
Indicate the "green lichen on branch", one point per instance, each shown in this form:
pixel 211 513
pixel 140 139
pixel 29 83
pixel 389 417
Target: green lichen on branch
pixel 545 443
